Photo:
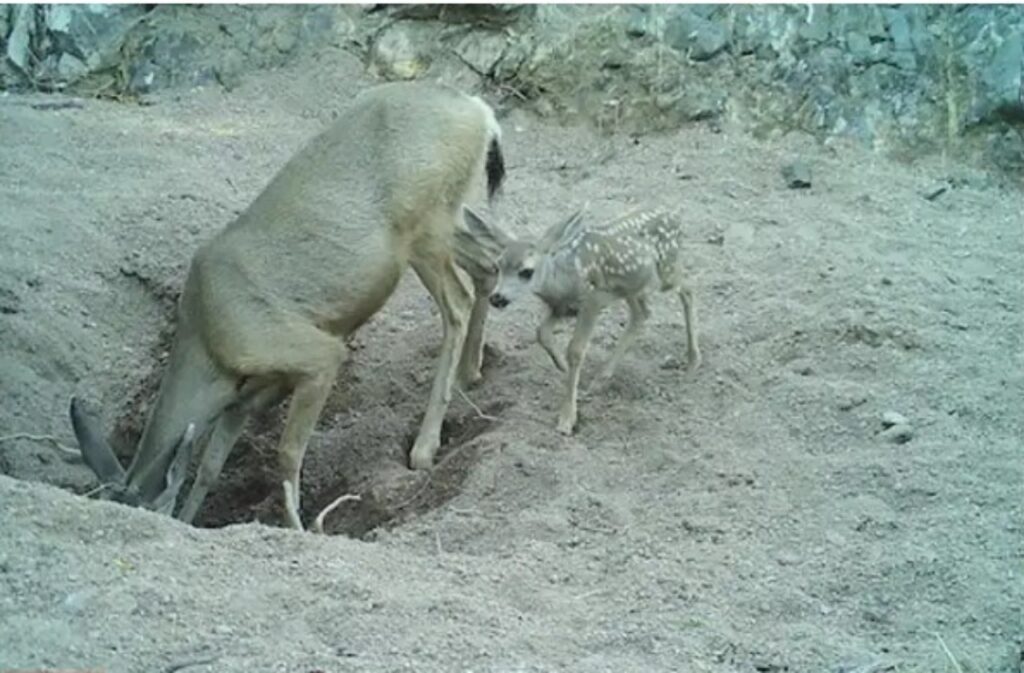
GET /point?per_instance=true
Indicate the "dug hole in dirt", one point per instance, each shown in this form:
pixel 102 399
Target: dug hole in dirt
pixel 757 514
pixel 387 492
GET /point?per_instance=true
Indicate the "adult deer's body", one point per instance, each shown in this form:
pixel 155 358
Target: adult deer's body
pixel 269 300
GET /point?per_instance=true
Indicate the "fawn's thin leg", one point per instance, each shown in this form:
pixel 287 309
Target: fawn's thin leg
pixel 577 351
pixel 472 357
pixel 639 312
pixel 546 336
pixel 692 348
pixel 454 303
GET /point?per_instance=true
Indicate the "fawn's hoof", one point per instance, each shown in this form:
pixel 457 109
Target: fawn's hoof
pixel 566 425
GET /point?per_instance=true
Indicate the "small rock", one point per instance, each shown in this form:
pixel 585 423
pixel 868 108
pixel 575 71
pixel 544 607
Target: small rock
pixel 766 666
pixel 1001 97
pixel 637 26
pixel 23 19
pixel 285 38
pixel 859 47
pixel 899 29
pixel 852 402
pixel 229 69
pixel 797 175
pixel 672 362
pixel 935 192
pixel 695 35
pixel 401 52
pixel 71 69
pixel 898 434
pixel 143 77
pixel 891 418
pixel 77 601
pixel 10 302
pixel 788 559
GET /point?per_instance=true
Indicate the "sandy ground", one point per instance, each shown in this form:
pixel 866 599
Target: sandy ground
pixel 747 516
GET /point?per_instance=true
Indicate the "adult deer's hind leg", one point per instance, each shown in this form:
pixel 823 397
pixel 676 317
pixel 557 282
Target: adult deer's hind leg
pixel 308 360
pixel 438 274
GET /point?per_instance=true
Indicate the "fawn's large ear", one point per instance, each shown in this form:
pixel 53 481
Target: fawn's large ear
pixel 564 229
pixel 484 230
pixel 478 246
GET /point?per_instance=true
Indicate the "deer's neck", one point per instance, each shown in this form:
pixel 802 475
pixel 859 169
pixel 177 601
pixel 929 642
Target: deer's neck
pixel 559 284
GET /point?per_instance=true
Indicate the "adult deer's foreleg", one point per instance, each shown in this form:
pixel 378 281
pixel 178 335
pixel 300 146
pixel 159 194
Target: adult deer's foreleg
pixel 454 302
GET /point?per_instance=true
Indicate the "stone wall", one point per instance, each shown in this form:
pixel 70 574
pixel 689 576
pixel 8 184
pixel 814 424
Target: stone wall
pixel 907 79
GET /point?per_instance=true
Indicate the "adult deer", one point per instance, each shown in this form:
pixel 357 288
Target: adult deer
pixel 269 301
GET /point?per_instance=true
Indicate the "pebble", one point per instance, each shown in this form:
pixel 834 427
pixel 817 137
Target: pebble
pixel 935 192
pixel 797 175
pixel 898 434
pixel 891 418
pixel 788 559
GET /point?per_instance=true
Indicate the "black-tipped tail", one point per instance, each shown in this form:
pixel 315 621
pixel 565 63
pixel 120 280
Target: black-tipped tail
pixel 495 169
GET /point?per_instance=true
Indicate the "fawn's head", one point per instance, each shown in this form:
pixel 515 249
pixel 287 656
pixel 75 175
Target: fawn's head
pixel 520 265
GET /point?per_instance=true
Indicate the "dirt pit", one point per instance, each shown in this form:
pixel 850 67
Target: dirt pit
pixel 753 515
pixel 388 493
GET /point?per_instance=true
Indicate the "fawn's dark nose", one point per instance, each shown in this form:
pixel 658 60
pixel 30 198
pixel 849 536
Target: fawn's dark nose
pixel 498 301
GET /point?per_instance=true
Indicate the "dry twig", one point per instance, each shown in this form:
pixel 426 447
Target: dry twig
pixel 956 664
pixel 50 439
pixel 318 523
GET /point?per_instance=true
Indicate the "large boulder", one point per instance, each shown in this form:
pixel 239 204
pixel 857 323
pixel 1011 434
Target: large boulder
pixel 54 46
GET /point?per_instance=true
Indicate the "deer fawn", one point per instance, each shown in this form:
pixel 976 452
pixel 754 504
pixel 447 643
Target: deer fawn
pixel 578 271
pixel 269 301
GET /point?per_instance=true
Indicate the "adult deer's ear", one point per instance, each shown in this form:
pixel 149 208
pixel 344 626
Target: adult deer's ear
pixel 96 452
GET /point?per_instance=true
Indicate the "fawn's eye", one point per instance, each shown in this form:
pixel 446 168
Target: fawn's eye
pixel 526 274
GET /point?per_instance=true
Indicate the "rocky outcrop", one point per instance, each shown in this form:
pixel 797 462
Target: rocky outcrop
pixel 907 78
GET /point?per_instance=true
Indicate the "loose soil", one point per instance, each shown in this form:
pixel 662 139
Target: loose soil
pixel 752 515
